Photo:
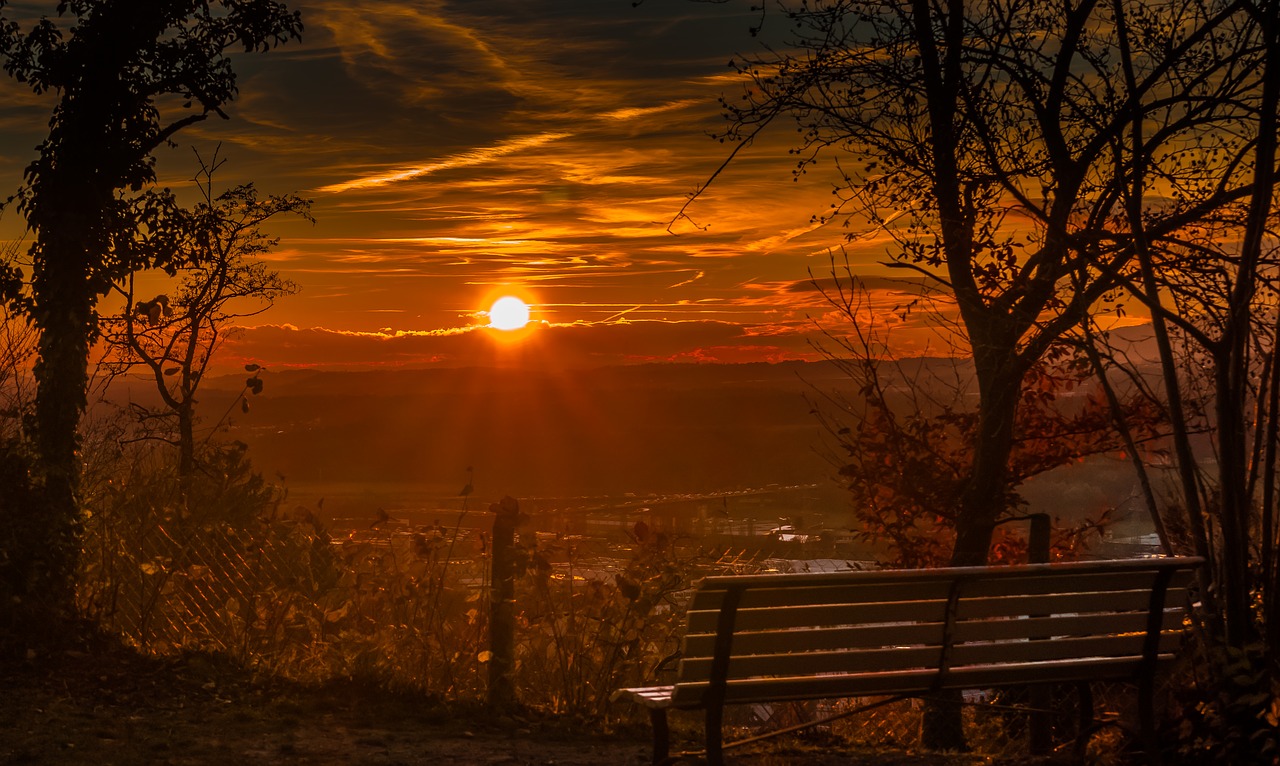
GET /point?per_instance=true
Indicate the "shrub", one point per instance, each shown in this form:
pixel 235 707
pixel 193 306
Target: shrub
pixel 1231 715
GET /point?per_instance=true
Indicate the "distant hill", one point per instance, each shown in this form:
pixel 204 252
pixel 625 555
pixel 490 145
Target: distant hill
pixel 654 428
pixel 659 428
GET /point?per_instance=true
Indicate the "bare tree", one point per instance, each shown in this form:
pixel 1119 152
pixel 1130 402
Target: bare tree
pixel 17 354
pixel 1212 288
pixel 906 431
pixel 173 336
pixel 989 141
pixel 983 139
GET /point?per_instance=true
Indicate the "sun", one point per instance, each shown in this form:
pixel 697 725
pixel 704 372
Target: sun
pixel 508 313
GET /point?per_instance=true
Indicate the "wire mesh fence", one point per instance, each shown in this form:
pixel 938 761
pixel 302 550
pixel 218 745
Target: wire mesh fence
pixel 410 610
pixel 173 586
pixel 995 723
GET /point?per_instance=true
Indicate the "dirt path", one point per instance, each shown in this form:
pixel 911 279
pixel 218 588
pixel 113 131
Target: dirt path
pixel 121 709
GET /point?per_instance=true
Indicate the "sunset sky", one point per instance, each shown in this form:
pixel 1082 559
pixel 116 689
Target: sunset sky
pixel 460 151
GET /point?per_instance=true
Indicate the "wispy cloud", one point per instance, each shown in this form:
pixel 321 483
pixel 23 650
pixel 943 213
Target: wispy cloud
pixel 690 280
pixel 631 113
pixel 478 156
pixel 559 345
pixel 456 150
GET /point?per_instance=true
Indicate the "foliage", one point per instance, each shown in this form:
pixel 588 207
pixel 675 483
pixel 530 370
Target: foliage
pixel 148 541
pixel 408 613
pixel 593 634
pixel 17 353
pixel 907 441
pixel 128 75
pixel 21 538
pixel 1209 285
pixel 407 610
pixel 22 535
pixel 1232 714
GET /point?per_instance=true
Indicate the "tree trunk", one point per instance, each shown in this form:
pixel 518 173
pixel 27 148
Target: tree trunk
pixel 984 498
pixel 1000 377
pixel 1232 361
pixel 186 446
pixel 64 312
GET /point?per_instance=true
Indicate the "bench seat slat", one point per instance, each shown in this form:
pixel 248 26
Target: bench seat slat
pixel 1052 649
pixel 818 639
pixel 941 574
pixel 814 594
pixel 1005 628
pixel 927 633
pixel 1060 603
pixel 830 615
pixel 909 681
pixel 1066 582
pixel 819 594
pixel 817 663
pixel 652 697
pixel 926 657
pixel 825 615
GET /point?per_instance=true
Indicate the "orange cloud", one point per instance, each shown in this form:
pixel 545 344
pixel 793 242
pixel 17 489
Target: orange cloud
pixel 552 346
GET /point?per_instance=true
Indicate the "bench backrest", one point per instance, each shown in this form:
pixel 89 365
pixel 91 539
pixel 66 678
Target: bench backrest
pixel 792 636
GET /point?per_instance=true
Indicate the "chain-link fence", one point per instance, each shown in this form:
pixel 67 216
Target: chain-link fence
pixel 172 585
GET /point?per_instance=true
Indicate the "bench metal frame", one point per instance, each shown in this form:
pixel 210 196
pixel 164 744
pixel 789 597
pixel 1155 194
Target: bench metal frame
pixel 913 633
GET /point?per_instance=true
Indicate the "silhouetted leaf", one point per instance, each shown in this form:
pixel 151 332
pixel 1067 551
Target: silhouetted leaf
pixel 629 589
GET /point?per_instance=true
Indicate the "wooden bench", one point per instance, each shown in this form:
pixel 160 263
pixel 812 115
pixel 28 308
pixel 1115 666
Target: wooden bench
pixel 910 633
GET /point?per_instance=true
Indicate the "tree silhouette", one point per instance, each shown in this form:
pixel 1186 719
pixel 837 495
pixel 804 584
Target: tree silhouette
pixel 991 142
pixel 1212 292
pixel 128 76
pixel 174 337
pixel 985 141
pixel 905 432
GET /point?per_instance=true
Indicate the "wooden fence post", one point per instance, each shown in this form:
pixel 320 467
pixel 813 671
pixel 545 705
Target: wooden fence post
pixel 502 606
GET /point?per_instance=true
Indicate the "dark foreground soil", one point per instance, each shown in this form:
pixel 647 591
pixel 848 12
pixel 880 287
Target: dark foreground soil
pixel 114 707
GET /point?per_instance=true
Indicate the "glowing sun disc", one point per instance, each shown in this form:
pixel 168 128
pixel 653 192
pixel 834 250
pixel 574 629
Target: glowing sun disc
pixel 509 313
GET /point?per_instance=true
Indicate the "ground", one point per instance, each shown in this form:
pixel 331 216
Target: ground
pixel 113 707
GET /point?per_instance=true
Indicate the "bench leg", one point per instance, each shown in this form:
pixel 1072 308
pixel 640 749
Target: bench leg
pixel 1085 725
pixel 1039 723
pixel 661 734
pixel 715 735
pixel 1147 719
